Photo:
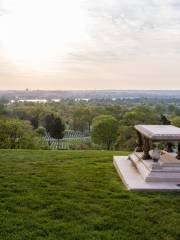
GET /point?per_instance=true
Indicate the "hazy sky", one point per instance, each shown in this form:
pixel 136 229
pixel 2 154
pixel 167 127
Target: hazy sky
pixel 90 44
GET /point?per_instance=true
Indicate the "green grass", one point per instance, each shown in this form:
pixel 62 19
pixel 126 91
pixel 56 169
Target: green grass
pixel 77 195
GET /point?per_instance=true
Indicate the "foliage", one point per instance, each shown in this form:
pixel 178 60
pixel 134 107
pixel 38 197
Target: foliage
pixel 2 109
pixel 48 121
pixel 104 131
pixel 175 121
pixel 141 115
pixel 33 112
pixel 126 139
pixel 17 134
pixel 41 131
pixel 58 128
pixel 80 146
pixel 82 118
pixel 55 127
pixel 165 120
pixel 35 122
pixel 88 145
pixel 78 115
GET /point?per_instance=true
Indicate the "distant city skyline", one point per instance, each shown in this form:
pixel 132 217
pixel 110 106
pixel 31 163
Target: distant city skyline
pixel 89 44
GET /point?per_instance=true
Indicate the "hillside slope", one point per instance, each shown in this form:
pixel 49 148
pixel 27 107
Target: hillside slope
pixel 78 195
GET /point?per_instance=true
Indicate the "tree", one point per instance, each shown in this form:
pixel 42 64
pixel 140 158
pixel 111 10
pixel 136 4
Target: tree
pixel 164 120
pixel 126 138
pixel 82 119
pixel 48 122
pixel 35 122
pixel 171 108
pixel 55 127
pixel 2 109
pixel 140 115
pixel 175 121
pixel 41 131
pixel 16 134
pixel 104 131
pixel 33 112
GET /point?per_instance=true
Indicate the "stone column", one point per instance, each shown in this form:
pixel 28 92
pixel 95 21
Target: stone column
pixel 139 147
pixel 146 149
pixel 178 155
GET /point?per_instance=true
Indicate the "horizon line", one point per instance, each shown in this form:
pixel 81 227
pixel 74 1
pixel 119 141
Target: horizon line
pixel 75 90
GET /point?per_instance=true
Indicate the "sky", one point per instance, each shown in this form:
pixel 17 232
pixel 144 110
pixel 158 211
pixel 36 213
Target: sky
pixel 89 44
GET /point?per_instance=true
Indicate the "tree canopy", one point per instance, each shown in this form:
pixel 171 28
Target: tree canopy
pixel 104 131
pixel 55 127
pixel 16 134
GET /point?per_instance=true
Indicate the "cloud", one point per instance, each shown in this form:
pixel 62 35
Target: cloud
pixel 124 42
pixel 119 29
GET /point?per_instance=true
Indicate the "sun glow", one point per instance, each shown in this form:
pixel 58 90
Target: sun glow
pixel 34 33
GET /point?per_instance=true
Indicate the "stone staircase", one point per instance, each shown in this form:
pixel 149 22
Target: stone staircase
pixel 163 171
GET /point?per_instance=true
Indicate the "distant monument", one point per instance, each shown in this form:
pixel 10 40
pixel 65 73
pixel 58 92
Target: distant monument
pixel 149 167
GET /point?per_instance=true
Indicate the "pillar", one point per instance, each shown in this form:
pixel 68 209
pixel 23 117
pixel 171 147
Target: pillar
pixel 146 149
pixel 178 155
pixel 139 147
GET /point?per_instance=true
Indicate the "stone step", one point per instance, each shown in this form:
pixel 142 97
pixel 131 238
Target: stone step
pixel 134 181
pixel 141 167
pixel 154 172
pixel 166 169
pixel 163 177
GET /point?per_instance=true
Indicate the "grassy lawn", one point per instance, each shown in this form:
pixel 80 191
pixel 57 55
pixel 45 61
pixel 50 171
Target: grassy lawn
pixel 78 195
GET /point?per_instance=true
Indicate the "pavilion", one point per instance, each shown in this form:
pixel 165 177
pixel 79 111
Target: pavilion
pixel 150 167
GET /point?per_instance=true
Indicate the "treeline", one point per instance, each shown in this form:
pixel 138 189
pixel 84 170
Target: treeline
pixel 110 125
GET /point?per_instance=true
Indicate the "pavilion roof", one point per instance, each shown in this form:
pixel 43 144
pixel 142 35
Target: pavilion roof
pixel 159 132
